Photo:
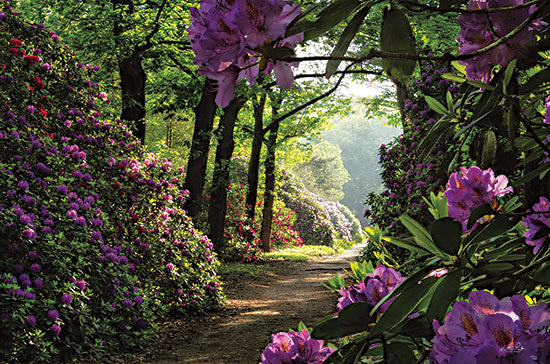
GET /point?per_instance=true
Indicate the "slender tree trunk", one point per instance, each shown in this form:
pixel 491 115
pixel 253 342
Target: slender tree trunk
pixel 224 152
pixel 254 162
pixel 205 111
pixel 401 97
pixel 132 77
pixel 269 195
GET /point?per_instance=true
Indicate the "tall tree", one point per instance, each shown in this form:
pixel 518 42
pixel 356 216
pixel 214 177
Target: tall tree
pixel 205 111
pixel 224 151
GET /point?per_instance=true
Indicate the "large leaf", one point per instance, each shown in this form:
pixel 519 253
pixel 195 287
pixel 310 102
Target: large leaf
pixel 351 320
pixel 422 237
pixel 446 234
pixel 345 40
pixel 534 82
pixel 444 295
pixel 489 152
pixel 330 17
pixel 403 306
pixel 409 246
pixel 543 274
pixel 396 36
pixel 497 226
pixel 399 353
pixel 436 106
pixel 478 213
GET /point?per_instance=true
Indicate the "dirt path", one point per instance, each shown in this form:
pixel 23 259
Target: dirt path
pixel 256 309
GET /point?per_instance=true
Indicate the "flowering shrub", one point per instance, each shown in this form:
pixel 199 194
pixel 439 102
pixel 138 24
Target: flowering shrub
pixel 375 287
pixel 488 330
pixel 96 243
pixel 471 189
pixel 480 30
pixel 312 217
pixel 406 176
pixel 243 235
pixel 295 347
pixel 234 39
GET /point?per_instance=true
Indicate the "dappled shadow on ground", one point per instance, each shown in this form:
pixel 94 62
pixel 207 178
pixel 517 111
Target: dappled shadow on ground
pixel 256 309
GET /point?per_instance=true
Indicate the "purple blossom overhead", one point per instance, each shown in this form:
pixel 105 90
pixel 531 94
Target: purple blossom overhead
pixel 376 286
pixel 231 40
pixel 472 188
pixel 537 224
pixel 477 31
pixel 295 347
pixel 487 330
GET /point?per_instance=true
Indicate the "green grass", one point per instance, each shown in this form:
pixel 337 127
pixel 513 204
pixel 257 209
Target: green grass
pixel 302 253
pixel 243 269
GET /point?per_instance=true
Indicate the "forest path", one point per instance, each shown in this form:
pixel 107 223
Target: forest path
pixel 257 308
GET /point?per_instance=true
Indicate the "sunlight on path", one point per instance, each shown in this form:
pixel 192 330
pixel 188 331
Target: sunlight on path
pixel 270 305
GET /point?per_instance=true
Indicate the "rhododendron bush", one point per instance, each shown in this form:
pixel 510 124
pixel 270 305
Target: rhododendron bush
pixel 95 243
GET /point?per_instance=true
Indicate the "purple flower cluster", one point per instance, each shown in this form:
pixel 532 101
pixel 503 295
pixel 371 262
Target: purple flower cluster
pixel 480 30
pixel 472 188
pixel 376 286
pixel 232 40
pixel 295 347
pixel 537 223
pixel 488 330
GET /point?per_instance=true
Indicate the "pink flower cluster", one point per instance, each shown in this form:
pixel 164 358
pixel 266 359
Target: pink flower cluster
pixel 489 330
pixel 376 286
pixel 232 39
pixel 295 347
pixel 471 189
pixel 477 31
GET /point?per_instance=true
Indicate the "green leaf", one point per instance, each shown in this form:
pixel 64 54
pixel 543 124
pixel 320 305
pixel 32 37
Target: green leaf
pixel 459 67
pixel 279 52
pixel 436 106
pixel 449 99
pixel 399 353
pixel 489 152
pixel 478 213
pixel 403 306
pixel 511 118
pixel 351 320
pixel 396 36
pixel 418 327
pixel 497 226
pixel 343 43
pixel 543 273
pixel 481 85
pixel 446 234
pixel 508 75
pixel 497 267
pixel 535 82
pixel 533 174
pixel 444 295
pixel 330 17
pixel 454 77
pixel 422 237
pixel 409 246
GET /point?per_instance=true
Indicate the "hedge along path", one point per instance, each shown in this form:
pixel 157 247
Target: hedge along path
pixel 258 307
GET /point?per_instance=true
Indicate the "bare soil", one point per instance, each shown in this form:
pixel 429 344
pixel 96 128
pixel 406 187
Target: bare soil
pixel 256 308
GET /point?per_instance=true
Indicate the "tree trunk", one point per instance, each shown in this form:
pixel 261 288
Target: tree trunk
pixel 132 77
pixel 205 111
pixel 401 98
pixel 269 195
pixel 224 152
pixel 254 162
pixel 132 84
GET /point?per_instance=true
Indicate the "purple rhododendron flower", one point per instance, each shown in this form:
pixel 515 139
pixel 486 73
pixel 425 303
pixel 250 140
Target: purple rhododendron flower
pixel 488 330
pixel 537 222
pixel 230 40
pixel 30 320
pixel 471 189
pixel 53 315
pixel 35 267
pixel 375 287
pixel 295 347
pixel 81 285
pixel 480 30
pixel 56 329
pixel 67 298
pixel 547 114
